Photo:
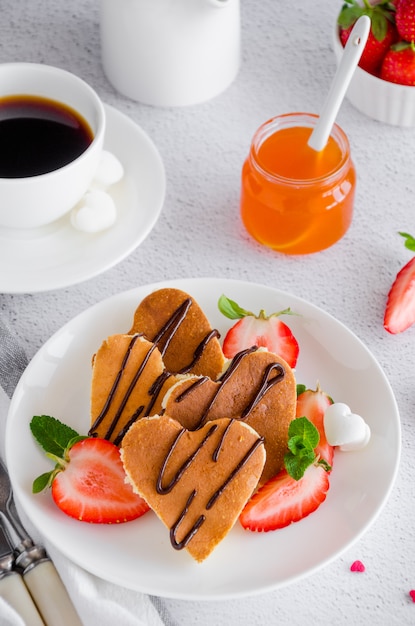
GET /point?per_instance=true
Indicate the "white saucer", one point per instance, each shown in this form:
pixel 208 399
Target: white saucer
pixel 57 255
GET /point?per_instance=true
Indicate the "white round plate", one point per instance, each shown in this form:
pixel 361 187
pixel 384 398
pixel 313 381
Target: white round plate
pixel 138 554
pixel 57 255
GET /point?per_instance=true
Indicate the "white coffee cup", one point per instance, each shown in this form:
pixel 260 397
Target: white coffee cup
pixel 34 201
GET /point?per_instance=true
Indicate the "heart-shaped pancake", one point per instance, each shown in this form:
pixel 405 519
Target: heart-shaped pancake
pixel 174 321
pixel 196 482
pixel 258 387
pixel 128 381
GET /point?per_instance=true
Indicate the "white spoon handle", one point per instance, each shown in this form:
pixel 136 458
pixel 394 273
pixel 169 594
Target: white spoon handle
pixel 351 56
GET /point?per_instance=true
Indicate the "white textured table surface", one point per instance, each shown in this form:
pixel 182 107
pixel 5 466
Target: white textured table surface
pixel 287 65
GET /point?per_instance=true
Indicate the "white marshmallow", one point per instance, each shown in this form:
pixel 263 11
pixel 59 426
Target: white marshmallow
pixel 109 172
pixel 96 211
pixel 345 429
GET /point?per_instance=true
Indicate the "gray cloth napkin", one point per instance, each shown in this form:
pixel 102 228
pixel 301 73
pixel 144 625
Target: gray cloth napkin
pixel 96 600
pixel 13 360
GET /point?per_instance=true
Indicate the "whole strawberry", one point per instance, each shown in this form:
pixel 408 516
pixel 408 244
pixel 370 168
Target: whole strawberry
pixel 405 19
pixel 399 64
pixel 382 34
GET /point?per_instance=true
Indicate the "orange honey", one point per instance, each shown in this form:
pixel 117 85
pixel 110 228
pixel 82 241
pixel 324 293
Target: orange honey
pixel 293 199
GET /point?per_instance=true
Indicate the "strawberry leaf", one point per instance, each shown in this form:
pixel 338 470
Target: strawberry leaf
pixel 229 308
pixel 41 482
pixel 409 241
pixel 379 25
pixel 400 45
pixel 300 389
pixel 326 466
pixel 348 16
pixel 379 14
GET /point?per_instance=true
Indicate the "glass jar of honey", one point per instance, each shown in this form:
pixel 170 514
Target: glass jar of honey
pixel 294 199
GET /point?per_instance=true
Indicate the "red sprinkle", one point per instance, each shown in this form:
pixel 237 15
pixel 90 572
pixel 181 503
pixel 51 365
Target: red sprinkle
pixel 358 566
pixel 412 594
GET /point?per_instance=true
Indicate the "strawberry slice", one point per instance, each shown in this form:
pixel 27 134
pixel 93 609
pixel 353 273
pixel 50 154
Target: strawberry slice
pixel 313 404
pixel 284 500
pixel 258 330
pixel 400 306
pixel 92 486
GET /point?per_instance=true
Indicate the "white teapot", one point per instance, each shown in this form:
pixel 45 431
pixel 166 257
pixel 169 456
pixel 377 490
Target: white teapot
pixel 170 52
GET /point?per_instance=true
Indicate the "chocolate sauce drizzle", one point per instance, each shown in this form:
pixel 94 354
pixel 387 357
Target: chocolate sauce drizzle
pixel 267 382
pixel 197 354
pixel 179 545
pixel 128 393
pixel 165 334
pixel 240 465
pixel 169 329
pixel 197 383
pixel 159 486
pixel 162 490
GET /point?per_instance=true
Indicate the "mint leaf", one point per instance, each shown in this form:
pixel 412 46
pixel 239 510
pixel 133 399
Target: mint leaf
pixel 51 434
pixel 56 439
pixel 303 438
pixel 297 465
pixel 301 428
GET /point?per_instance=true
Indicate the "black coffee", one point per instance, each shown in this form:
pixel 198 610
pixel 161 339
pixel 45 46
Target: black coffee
pixel 38 135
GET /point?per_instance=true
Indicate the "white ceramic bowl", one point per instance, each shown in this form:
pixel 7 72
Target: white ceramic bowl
pixel 377 98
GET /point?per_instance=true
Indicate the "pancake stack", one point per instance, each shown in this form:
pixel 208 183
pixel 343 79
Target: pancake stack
pixel 197 433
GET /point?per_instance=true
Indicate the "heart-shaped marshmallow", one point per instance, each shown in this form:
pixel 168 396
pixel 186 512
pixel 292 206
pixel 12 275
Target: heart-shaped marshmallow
pixel 196 482
pixel 345 429
pixel 109 171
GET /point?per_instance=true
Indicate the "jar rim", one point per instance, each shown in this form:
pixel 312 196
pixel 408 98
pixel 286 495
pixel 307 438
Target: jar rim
pixel 308 120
